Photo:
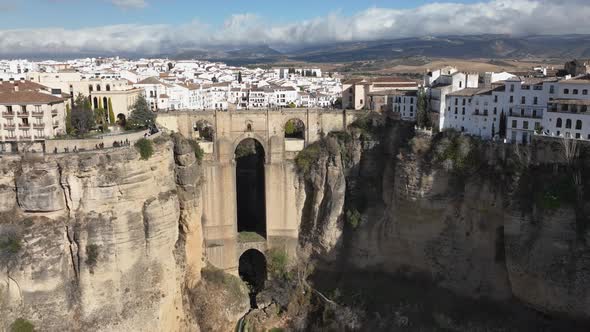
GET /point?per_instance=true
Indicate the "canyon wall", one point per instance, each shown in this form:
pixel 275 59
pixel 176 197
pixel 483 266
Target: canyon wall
pixel 99 240
pixel 383 202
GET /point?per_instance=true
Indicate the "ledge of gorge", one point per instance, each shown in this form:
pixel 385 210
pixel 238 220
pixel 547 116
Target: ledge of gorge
pixel 399 230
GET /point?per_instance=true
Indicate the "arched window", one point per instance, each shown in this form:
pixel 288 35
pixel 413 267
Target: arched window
pixel 568 124
pixel 559 123
pixel 98 87
pixel 578 124
pixel 108 87
pixel 566 91
pixel 90 88
pixel 575 91
pixel 585 92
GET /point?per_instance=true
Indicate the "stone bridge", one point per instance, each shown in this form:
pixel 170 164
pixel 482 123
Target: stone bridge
pixel 223 245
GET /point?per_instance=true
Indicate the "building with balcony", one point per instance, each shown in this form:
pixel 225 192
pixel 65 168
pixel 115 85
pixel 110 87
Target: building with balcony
pixel 568 112
pixel 29 114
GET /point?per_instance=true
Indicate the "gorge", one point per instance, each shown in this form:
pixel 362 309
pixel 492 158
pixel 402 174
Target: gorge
pixel 373 226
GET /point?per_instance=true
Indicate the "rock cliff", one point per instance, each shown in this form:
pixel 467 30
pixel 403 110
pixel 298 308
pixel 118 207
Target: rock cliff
pixel 99 240
pixel 450 210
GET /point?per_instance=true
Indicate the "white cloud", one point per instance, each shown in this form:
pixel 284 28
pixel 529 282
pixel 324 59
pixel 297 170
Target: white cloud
pixel 129 4
pixel 516 17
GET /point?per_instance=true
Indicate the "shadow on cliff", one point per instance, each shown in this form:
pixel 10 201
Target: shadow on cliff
pixel 457 200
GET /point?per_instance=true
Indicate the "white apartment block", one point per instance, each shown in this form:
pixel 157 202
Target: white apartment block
pixel 568 109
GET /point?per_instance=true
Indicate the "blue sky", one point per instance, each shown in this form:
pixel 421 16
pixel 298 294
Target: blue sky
pixel 73 14
pixel 156 26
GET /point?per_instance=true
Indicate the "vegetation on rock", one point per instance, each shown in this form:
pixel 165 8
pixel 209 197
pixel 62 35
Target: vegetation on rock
pixel 278 263
pixel 199 153
pixel 92 252
pixel 22 325
pixel 145 148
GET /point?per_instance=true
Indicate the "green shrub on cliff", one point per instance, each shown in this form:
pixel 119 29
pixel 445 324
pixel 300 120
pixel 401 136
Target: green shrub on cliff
pixel 199 153
pixel 22 325
pixel 10 244
pixel 278 263
pixel 229 282
pixel 353 218
pixel 307 157
pixel 145 148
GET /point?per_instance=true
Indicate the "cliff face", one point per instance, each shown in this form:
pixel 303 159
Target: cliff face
pixel 95 239
pixel 464 228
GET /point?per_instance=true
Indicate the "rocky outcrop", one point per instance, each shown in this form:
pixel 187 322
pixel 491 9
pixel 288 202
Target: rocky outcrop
pixel 465 231
pixel 98 239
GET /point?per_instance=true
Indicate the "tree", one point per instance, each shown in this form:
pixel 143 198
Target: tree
pixel 111 112
pixel 69 128
pixel 82 118
pixel 141 116
pixel 493 130
pixel 502 131
pixel 239 77
pixel 422 118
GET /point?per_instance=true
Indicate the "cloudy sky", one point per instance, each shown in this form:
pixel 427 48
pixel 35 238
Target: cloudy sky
pixel 155 26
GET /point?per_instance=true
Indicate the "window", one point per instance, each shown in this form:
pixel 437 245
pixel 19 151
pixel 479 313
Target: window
pixel 578 135
pixel 456 110
pixel 463 101
pixel 514 124
pixel 575 91
pixel 460 84
pixel 495 111
pixel 456 101
pixel 512 88
pixel 578 124
pixel 511 99
pixel 536 100
pixel 559 123
pixel 525 125
pixel 566 91
pixel 534 113
pixel 23 108
pixel 551 89
pixel 523 100
pixel 537 125
pixel 510 112
pixel 568 124
pixel 584 92
pixel 522 112
pixel 9 109
pixel 495 99
pixel 463 111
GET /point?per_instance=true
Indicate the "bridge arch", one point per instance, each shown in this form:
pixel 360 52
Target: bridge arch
pixel 252 269
pixel 250 159
pixel 295 128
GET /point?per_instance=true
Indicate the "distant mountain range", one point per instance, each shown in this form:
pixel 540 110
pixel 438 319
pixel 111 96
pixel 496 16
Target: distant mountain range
pixel 461 47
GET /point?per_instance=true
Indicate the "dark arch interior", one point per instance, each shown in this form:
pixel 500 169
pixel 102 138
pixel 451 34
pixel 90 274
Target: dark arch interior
pixel 252 269
pixel 250 188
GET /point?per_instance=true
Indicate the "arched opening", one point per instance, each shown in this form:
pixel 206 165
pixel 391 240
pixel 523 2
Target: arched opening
pixel 204 131
pixel 252 269
pixel 108 87
pixel 121 120
pixel 95 101
pixel 98 87
pixel 90 88
pixel 295 128
pixel 250 188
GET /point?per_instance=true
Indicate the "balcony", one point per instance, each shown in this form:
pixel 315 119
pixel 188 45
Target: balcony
pixel 39 125
pixel 24 125
pixel 9 125
pixel 23 114
pixel 38 114
pixel 8 114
